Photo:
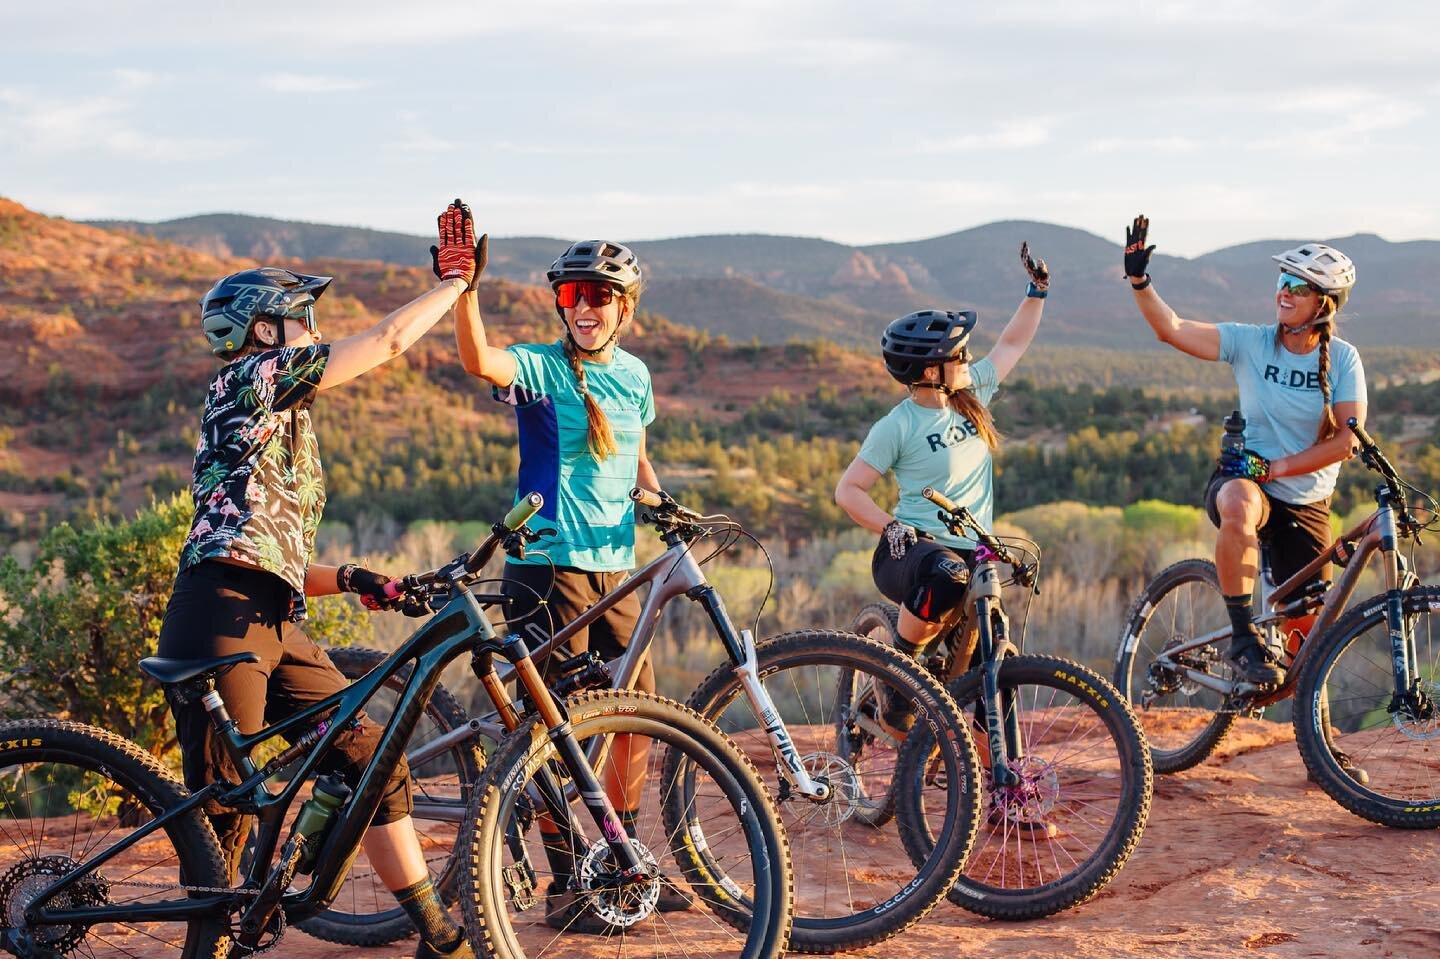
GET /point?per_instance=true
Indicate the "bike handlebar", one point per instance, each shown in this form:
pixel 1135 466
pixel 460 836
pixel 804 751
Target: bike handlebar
pixel 647 497
pixel 1376 460
pixel 468 564
pixel 955 516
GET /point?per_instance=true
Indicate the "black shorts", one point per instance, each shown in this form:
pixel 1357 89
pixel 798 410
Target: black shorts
pixel 1294 533
pixel 218 609
pixel 929 580
pixel 568 592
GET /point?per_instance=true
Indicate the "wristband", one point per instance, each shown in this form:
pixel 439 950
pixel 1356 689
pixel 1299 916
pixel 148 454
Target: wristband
pixel 343 575
pixel 1137 287
pixel 1034 291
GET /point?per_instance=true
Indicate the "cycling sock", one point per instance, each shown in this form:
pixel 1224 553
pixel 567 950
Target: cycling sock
pixel 422 904
pixel 1242 619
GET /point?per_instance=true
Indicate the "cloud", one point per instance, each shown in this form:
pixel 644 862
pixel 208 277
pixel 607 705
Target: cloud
pixel 1170 144
pixel 40 125
pixel 311 83
pixel 1009 135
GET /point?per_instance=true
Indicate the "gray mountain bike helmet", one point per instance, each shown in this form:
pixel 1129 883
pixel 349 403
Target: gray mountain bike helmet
pixel 925 338
pixel 597 260
pixel 1323 267
pixel 235 302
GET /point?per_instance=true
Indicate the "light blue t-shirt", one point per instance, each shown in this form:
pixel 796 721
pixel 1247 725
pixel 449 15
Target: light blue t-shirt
pixel 587 500
pixel 941 449
pixel 1282 404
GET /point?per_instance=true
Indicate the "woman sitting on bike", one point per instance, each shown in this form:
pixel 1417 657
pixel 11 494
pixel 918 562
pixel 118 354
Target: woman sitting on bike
pixel 245 569
pixel 941 436
pixel 1297 382
pixel 581 407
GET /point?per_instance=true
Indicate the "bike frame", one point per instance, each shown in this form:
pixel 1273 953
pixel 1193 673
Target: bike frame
pixel 1376 533
pixel 672 574
pixel 459 626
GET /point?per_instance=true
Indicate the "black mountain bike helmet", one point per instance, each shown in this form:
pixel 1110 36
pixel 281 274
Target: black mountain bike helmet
pixel 235 302
pixel 925 338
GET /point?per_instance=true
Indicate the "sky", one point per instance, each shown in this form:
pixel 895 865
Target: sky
pixel 860 122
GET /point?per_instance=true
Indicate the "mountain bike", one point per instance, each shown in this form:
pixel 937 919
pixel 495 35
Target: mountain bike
pixel 1356 676
pixel 776 699
pixel 1064 766
pixel 105 854
pixel 1171 664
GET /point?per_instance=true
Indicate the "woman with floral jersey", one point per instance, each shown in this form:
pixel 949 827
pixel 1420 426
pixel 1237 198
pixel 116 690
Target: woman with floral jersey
pixel 581 405
pixel 245 569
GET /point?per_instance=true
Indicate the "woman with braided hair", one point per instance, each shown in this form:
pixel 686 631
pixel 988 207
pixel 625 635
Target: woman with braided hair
pixel 1297 383
pixel 581 408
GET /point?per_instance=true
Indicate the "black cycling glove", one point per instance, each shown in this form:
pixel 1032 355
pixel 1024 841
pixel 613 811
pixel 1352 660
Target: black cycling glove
pixel 1137 254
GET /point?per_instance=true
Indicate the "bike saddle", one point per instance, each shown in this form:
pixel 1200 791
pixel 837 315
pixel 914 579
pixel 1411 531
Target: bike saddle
pixel 171 671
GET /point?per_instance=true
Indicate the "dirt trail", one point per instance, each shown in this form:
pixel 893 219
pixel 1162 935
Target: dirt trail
pixel 1242 857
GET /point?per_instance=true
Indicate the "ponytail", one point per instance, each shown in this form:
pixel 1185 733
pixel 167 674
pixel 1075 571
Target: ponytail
pixel 968 405
pixel 600 437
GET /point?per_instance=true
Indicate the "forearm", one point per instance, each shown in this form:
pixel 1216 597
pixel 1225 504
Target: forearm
pixel 1336 449
pixel 476 354
pixel 1017 336
pixel 321 580
pixel 857 503
pixel 645 476
pixel 1162 319
pixel 402 328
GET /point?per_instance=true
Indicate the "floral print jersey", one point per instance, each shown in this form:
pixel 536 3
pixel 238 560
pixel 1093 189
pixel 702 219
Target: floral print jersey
pixel 258 486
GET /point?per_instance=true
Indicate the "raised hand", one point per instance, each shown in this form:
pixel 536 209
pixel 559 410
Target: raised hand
pixel 1038 271
pixel 458 255
pixel 1137 254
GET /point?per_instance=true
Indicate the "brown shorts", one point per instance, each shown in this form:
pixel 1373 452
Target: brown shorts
pixel 219 609
pixel 1295 533
pixel 568 592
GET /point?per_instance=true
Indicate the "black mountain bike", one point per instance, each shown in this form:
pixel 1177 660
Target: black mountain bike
pixel 105 854
pixel 1366 681
pixel 824 762
pixel 1064 766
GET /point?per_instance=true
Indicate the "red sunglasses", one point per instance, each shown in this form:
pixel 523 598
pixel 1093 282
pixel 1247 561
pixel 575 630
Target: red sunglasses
pixel 595 292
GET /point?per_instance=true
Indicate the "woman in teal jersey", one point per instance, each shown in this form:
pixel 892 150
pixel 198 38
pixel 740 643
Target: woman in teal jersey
pixel 581 407
pixel 1298 382
pixel 941 436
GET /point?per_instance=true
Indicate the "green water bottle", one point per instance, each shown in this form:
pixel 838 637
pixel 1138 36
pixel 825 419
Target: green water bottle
pixel 328 795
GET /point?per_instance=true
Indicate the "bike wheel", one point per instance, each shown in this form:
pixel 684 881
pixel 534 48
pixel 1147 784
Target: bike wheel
pixel 856 728
pixel 1054 839
pixel 69 792
pixel 742 899
pixel 1350 669
pixel 1184 722
pixel 365 912
pixel 856 889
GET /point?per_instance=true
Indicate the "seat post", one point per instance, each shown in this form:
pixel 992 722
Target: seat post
pixel 226 726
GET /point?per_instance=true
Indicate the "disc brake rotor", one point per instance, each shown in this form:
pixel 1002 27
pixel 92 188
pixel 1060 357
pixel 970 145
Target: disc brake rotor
pixel 621 904
pixel 1034 797
pixel 845 792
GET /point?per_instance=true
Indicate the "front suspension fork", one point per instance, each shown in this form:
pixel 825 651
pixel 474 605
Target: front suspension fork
pixel 1002 720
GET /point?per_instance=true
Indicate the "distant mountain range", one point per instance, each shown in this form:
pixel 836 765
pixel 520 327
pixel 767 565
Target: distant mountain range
pixel 778 288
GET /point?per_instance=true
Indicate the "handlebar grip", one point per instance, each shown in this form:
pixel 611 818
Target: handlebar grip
pixel 939 499
pixel 521 512
pixel 392 589
pixel 1365 439
pixel 646 497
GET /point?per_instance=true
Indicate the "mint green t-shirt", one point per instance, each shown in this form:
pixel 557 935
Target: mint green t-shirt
pixel 941 449
pixel 587 501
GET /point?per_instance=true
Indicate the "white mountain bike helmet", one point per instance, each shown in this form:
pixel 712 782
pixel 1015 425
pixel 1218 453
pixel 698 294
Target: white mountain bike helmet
pixel 1323 267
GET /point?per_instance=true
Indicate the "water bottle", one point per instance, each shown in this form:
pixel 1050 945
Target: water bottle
pixel 328 795
pixel 1232 444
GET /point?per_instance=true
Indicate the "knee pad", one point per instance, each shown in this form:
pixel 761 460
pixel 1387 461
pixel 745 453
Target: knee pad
pixel 941 587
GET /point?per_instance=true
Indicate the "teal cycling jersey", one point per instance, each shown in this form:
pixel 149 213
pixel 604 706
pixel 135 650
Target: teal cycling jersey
pixel 1281 400
pixel 587 500
pixel 938 448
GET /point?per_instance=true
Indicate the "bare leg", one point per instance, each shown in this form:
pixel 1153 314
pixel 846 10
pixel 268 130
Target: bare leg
pixel 916 631
pixel 624 776
pixel 1237 548
pixel 395 854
